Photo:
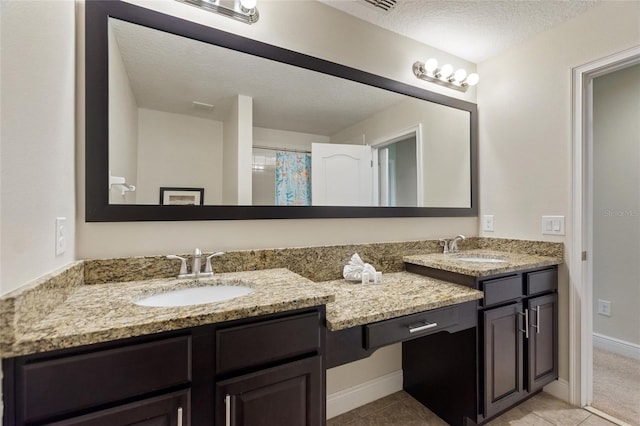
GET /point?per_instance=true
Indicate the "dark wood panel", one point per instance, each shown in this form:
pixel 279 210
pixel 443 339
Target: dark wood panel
pixel 267 342
pixel 465 280
pixel 503 358
pixel 8 392
pixel 59 386
pixel 543 342
pixel 159 411
pixel 541 281
pixel 501 290
pixel 440 371
pixel 451 318
pixel 287 395
pixel 345 346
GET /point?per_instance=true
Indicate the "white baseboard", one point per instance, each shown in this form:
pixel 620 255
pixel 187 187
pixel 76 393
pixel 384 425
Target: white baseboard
pixel 558 388
pixel 617 346
pixel 364 393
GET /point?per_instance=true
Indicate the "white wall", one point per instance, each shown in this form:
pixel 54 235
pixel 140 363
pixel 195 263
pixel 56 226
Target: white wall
pixel 445 140
pixel 616 203
pixel 178 151
pixel 285 139
pixel 524 102
pixel 238 131
pixel 37 137
pixel 123 126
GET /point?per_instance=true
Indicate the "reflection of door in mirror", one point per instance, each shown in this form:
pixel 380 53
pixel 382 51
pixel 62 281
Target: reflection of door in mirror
pixel 342 175
pixel 397 174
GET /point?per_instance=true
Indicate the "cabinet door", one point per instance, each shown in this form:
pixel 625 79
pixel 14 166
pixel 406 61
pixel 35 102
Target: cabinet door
pixel 503 358
pixel 542 357
pixel 166 410
pixel 288 395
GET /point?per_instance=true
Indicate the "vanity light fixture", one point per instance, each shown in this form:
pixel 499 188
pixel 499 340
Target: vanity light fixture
pixel 241 10
pixel 444 75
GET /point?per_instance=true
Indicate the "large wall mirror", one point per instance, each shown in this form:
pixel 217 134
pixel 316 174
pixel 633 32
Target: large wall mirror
pixel 185 122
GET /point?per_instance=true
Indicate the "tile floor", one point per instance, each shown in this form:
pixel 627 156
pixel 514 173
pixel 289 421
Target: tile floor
pixel 400 409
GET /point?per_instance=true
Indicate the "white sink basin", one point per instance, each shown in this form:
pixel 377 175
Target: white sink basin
pixel 480 259
pixel 195 296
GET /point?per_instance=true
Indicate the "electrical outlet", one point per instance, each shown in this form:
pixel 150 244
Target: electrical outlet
pixel 61 235
pixel 487 223
pixel 604 307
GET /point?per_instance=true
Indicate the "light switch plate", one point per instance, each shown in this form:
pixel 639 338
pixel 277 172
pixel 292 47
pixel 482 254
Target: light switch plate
pixel 487 223
pixel 553 225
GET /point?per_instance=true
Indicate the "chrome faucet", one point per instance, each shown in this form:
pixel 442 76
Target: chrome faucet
pixel 195 262
pixel 196 265
pixel 453 245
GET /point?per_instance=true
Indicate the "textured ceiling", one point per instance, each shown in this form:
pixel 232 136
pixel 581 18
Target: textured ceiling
pixel 474 30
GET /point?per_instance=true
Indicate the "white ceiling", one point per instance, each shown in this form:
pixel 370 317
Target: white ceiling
pixel 474 30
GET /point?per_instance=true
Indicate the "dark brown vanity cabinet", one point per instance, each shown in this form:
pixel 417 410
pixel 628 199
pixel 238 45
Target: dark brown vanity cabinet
pixel 515 349
pixel 260 371
pixel 518 342
pixel 271 373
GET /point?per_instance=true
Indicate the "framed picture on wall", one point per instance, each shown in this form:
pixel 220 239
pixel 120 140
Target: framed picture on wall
pixel 181 196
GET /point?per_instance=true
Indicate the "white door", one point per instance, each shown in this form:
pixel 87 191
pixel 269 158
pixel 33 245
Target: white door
pixel 341 175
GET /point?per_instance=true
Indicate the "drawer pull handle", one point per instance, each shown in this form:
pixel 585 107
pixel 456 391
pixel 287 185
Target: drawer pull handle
pixel 415 329
pixel 179 416
pixel 227 410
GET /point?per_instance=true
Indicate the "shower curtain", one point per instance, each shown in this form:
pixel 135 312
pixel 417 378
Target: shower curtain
pixel 293 179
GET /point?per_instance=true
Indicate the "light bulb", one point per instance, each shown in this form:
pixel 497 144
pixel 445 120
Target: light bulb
pixel 248 4
pixel 473 79
pixel 460 75
pixel 431 65
pixel 446 71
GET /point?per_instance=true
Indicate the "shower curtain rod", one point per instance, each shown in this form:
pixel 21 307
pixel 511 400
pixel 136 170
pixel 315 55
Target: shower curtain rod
pixel 271 148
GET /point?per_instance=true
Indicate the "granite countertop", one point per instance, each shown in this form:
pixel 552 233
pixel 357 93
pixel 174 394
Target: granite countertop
pixel 105 312
pixel 399 293
pixel 513 262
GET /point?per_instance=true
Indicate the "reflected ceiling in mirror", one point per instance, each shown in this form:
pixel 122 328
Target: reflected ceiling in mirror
pixel 192 108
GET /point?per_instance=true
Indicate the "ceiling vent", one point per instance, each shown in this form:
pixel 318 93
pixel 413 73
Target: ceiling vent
pixel 385 5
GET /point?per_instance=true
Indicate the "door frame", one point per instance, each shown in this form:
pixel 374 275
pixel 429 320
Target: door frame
pixel 415 130
pixel 581 267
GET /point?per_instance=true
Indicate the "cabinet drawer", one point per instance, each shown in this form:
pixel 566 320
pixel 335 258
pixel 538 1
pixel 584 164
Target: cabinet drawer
pixel 541 281
pixel 65 385
pixel 451 318
pixel 501 289
pixel 266 342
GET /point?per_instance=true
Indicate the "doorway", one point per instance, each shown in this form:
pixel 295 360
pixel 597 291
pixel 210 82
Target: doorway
pixel 606 218
pixel 398 169
pixel 616 244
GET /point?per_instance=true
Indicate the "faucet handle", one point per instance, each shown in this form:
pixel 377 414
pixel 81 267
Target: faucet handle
pixel 208 267
pixel 183 265
pixel 445 244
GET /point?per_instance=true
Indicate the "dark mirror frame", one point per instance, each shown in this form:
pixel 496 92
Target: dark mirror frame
pixel 97 206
